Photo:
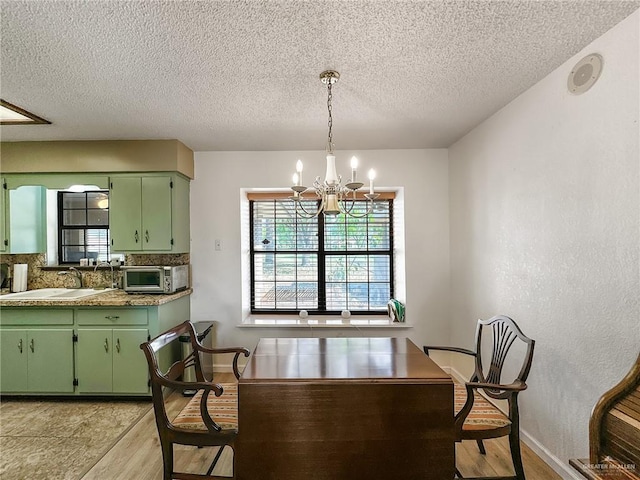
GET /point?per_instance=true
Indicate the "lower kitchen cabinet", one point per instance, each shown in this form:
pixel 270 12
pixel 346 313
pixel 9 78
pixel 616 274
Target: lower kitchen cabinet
pixel 36 360
pixel 84 350
pixel 110 361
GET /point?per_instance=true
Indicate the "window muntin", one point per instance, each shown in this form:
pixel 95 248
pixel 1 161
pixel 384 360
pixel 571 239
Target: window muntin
pixel 83 226
pixel 323 265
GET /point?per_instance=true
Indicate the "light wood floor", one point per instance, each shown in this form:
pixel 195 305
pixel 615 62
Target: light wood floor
pixel 137 455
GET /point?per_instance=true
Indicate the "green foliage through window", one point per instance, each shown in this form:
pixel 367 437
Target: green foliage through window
pixel 325 264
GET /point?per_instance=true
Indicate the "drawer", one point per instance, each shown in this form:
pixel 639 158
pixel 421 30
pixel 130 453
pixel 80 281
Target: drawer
pixel 35 316
pixel 112 316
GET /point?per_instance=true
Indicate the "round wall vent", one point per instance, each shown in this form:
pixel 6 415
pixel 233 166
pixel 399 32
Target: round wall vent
pixel 585 74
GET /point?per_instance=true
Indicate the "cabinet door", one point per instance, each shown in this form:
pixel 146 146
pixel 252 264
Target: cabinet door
pixel 125 214
pixel 95 370
pixel 156 213
pixel 13 361
pixel 180 216
pixel 130 371
pixel 4 240
pixel 50 360
pixel 27 219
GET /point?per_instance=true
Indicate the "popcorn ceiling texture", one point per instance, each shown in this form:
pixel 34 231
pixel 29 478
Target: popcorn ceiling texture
pixel 243 75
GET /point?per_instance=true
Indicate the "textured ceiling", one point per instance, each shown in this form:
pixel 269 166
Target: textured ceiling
pixel 243 75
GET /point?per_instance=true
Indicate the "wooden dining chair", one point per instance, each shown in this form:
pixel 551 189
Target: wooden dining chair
pixel 476 417
pixel 211 416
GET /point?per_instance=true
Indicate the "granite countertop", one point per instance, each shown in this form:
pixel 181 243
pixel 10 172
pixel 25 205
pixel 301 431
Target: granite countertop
pixel 111 298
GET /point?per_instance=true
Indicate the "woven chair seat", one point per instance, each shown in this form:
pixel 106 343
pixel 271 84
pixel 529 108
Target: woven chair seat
pixel 223 410
pixel 483 415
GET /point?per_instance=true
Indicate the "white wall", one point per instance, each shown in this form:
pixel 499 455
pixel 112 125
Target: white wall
pixel 216 214
pixel 545 228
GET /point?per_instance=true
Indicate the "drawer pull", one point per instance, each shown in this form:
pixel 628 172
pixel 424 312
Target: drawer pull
pixel 112 317
pixel 20 345
pixel 118 345
pixel 106 345
pixel 31 346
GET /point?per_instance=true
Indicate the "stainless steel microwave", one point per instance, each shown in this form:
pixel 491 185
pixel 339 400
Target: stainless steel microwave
pixel 155 279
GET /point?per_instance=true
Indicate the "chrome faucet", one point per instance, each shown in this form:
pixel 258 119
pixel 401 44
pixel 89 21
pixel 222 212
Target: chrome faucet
pixel 107 264
pixel 77 276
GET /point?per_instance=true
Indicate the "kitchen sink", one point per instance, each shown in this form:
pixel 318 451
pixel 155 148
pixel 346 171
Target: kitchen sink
pixel 54 294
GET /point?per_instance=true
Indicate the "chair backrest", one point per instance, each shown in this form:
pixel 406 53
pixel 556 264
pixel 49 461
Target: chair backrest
pixel 159 378
pixel 614 428
pixel 504 333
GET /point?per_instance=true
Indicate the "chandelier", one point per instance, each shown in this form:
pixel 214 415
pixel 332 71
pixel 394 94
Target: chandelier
pixel 334 197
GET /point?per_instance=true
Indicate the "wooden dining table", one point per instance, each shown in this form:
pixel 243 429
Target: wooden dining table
pixel 344 408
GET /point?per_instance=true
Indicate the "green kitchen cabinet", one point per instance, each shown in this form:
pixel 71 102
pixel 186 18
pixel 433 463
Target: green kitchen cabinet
pixel 47 350
pixel 149 213
pixel 13 361
pixel 110 361
pixel 22 218
pixel 36 360
pixel 108 350
pixel 27 219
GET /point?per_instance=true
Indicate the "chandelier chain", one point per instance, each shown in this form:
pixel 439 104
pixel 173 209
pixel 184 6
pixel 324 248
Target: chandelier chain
pixel 330 122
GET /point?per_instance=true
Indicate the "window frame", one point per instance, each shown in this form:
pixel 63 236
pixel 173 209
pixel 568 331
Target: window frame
pixel 322 256
pixel 86 226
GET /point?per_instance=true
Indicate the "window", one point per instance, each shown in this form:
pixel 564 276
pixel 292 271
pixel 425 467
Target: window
pixel 83 226
pixel 323 265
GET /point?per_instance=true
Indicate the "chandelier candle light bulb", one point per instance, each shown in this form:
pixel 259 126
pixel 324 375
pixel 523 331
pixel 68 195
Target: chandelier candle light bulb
pixel 354 166
pixel 372 176
pixel 299 170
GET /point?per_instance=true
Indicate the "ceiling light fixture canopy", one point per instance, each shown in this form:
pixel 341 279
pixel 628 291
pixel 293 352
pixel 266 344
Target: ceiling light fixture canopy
pixel 334 197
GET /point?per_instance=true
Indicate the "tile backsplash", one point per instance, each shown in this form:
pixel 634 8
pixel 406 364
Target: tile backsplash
pixel 38 277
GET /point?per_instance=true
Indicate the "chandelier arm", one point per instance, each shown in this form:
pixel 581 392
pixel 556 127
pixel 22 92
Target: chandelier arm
pixel 308 214
pixel 353 203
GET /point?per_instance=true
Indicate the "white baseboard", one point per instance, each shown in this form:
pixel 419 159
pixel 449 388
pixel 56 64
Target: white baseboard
pixel 561 468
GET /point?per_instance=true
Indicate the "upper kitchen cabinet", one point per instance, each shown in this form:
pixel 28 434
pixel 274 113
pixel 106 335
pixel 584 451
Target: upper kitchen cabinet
pixel 149 213
pixel 24 212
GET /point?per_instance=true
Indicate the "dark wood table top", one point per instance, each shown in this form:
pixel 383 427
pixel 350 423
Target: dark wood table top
pixel 396 360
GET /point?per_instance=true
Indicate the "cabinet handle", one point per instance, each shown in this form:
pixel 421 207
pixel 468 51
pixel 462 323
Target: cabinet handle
pixel 112 317
pixel 106 345
pixel 118 345
pixel 146 235
pixel 20 345
pixel 137 236
pixel 31 346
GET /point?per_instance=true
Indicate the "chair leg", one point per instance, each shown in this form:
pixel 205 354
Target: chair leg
pixel 481 447
pixel 167 460
pixel 514 443
pixel 215 460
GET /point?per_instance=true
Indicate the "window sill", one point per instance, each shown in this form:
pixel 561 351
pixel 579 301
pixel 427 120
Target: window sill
pixel 310 322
